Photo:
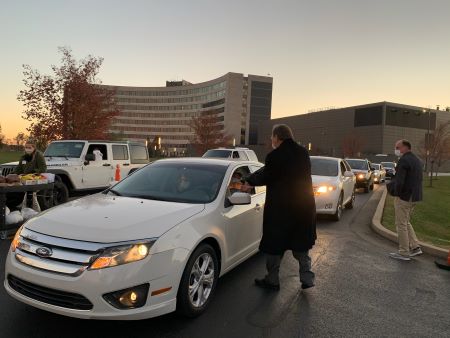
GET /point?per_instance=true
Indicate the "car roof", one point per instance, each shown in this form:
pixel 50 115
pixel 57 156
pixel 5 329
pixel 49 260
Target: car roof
pixel 327 158
pixel 208 160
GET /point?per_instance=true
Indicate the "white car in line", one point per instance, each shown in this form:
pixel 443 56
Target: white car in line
pixel 156 242
pixel 333 184
pixel 379 173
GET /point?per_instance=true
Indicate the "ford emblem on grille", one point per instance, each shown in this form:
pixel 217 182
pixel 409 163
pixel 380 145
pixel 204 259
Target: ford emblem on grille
pixel 44 252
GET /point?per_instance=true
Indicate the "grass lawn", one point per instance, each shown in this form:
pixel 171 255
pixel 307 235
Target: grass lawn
pixel 431 217
pixel 10 156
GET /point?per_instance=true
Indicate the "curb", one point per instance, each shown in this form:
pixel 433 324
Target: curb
pixel 392 236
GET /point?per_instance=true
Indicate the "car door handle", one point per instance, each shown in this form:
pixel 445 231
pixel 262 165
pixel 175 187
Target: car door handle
pixel 106 165
pixel 126 164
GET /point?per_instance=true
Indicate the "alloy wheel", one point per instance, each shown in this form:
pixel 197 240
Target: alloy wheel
pixel 201 280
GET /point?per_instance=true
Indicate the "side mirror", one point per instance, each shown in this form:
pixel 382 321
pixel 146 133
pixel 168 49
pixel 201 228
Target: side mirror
pixel 240 198
pixel 349 174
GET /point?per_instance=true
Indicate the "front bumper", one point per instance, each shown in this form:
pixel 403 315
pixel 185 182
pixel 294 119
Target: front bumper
pixel 161 270
pixel 326 203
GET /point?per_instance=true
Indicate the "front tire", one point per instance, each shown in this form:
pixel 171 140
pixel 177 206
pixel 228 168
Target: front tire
pixel 60 193
pixel 198 282
pixel 350 204
pixel 338 214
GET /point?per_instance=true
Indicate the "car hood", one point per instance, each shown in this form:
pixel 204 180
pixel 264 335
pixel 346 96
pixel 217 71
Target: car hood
pixel 359 171
pixel 317 180
pixel 105 219
pixel 11 163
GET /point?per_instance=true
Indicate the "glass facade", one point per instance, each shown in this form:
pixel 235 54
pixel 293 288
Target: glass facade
pixel 260 107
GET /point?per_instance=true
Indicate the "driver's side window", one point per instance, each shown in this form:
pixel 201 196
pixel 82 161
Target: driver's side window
pixel 235 183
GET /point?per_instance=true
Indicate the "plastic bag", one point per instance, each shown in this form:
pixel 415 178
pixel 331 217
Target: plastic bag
pixel 28 213
pixel 14 217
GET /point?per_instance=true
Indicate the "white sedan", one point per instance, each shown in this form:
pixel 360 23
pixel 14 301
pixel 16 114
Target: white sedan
pixel 334 185
pixel 154 243
pixel 379 173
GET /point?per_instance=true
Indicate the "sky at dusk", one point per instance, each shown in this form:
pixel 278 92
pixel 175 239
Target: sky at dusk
pixel 320 52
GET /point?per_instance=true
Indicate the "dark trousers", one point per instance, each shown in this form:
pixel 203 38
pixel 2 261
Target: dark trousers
pixel 273 267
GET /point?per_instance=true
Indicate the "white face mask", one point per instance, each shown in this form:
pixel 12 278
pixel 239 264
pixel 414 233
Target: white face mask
pixel 397 152
pixel 29 150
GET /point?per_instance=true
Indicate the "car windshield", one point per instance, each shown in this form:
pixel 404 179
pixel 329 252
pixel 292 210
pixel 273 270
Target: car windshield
pixel 174 182
pixel 218 153
pixel 64 149
pixel 388 164
pixel 376 166
pixel 358 164
pixel 324 167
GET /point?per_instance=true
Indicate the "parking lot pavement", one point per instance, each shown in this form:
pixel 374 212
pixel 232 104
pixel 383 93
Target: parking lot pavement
pixel 359 291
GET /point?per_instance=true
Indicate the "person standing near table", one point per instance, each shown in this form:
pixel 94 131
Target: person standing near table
pixel 32 162
pixel 289 211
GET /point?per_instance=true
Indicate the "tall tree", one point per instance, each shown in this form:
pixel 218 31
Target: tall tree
pixel 437 148
pixel 2 138
pixel 208 132
pixel 69 103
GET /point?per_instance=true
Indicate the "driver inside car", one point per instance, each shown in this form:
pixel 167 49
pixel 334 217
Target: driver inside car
pixel 183 183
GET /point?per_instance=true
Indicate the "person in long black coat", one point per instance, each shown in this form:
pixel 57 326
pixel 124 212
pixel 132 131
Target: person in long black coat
pixel 289 211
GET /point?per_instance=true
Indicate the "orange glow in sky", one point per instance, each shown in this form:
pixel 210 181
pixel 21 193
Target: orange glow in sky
pixel 320 53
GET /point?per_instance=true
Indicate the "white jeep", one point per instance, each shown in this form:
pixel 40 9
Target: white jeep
pixel 78 169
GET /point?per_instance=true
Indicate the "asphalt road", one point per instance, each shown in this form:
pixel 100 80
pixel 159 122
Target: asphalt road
pixel 360 292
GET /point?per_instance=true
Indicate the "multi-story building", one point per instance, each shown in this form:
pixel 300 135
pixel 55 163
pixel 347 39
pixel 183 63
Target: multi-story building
pixel 370 129
pixel 241 102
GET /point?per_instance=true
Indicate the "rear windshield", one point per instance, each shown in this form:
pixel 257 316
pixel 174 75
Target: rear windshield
pixel 388 164
pixel 324 167
pixel 218 153
pixel 358 164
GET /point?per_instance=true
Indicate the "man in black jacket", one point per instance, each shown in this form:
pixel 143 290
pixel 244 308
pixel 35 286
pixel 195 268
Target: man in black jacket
pixel 289 211
pixel 407 189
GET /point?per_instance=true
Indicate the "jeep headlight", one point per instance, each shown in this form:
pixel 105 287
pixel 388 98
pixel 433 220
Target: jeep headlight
pixel 123 254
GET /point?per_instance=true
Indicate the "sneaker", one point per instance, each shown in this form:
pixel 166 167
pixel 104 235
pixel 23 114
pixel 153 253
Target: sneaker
pixel 263 283
pixel 415 252
pixel 396 255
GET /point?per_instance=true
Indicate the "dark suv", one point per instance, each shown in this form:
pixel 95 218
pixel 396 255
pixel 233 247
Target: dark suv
pixel 363 171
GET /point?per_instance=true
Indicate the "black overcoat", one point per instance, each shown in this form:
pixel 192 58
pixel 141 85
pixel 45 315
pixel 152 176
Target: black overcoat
pixel 289 210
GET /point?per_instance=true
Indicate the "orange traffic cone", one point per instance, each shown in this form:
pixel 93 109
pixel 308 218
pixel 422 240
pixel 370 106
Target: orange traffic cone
pixel 442 264
pixel 117 174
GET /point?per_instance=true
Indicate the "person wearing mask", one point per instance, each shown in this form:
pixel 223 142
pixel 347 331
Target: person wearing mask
pixel 406 187
pixel 289 211
pixel 32 162
pixel 98 154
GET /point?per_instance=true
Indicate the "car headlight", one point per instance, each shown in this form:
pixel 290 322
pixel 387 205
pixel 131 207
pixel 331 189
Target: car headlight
pixel 123 254
pixel 377 174
pixel 361 176
pixel 16 240
pixel 323 189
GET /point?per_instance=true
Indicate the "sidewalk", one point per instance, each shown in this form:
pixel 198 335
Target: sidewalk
pixel 386 233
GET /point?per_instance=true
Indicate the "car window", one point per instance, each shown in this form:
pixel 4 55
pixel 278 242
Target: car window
pixel 343 169
pixel 251 155
pixel 358 164
pixel 347 166
pixel 101 147
pixel 243 155
pixel 376 166
pixel 120 152
pixel 235 183
pixel 138 154
pixel 218 153
pixel 324 167
pixel 235 154
pixel 174 182
pixel 262 188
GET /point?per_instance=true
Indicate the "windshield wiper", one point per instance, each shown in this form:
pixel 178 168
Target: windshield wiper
pixel 114 192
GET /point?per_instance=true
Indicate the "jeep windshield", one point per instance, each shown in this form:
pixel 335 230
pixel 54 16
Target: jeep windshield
pixel 64 149
pixel 358 164
pixel 173 182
